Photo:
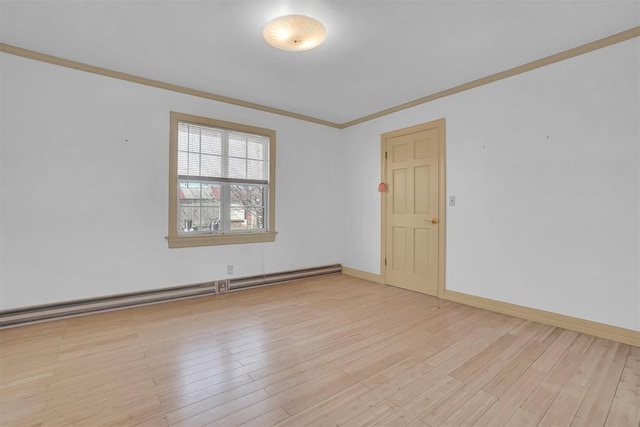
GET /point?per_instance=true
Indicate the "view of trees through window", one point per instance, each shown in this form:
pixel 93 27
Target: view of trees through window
pixel 200 206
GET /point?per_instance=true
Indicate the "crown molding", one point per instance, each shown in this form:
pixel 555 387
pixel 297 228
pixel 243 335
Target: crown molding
pixel 552 59
pixel 55 60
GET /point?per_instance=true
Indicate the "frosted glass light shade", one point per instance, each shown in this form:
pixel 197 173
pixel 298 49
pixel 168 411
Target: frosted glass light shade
pixel 294 32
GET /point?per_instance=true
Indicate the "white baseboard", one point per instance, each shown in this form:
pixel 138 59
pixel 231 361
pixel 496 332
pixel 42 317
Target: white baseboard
pixel 589 327
pixel 372 277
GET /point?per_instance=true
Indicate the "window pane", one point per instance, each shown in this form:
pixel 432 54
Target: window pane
pixel 211 166
pixel 237 168
pixel 183 162
pixel 199 207
pixel 189 206
pixel 255 219
pixel 247 195
pixel 255 150
pixel 183 137
pixel 238 215
pixel 237 145
pixel 194 164
pixel 194 139
pixel 255 169
pixel 238 221
pixel 247 219
pixel 185 219
pixel 189 192
pixel 211 141
pixel 210 194
pixel 247 207
pixel 210 219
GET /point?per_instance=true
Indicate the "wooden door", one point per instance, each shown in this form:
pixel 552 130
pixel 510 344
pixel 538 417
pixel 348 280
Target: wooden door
pixel 412 210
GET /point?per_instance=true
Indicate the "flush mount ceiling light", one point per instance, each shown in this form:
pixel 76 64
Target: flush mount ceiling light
pixel 294 32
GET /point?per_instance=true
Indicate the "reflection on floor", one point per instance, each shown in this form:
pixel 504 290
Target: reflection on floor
pixel 332 350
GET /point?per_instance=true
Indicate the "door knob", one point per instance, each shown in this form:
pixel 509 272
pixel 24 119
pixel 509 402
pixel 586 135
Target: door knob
pixel 434 221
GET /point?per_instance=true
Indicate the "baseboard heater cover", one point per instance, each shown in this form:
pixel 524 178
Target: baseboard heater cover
pixel 22 316
pixel 267 279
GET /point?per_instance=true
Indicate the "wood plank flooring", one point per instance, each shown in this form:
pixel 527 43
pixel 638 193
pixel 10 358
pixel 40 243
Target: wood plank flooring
pixel 326 351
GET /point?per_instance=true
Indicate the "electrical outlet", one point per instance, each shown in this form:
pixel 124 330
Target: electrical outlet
pixel 230 269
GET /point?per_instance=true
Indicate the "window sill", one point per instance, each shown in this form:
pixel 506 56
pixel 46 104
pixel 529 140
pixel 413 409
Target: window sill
pixel 219 239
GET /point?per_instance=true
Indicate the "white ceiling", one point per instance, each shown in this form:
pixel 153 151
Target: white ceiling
pixel 378 54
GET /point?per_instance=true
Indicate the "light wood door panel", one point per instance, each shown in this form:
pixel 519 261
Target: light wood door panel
pixel 412 169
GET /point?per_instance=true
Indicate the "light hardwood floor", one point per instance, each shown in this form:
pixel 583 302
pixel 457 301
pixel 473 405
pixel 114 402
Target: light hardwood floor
pixel 327 351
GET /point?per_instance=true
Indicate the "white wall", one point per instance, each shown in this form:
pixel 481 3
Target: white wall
pixel 545 167
pixel 84 213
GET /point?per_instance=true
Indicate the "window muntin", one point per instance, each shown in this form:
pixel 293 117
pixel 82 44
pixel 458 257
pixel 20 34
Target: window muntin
pixel 222 182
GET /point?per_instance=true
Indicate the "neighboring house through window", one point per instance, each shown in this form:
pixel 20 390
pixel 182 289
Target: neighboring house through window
pixel 221 182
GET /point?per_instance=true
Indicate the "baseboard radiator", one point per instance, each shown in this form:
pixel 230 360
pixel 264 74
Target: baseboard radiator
pixel 268 279
pixel 40 313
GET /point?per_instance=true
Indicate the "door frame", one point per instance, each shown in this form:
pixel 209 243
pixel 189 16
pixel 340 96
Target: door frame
pixel 442 197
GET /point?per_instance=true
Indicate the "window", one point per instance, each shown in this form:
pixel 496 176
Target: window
pixel 221 183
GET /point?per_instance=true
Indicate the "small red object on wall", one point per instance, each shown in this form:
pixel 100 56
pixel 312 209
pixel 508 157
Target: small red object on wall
pixel 382 188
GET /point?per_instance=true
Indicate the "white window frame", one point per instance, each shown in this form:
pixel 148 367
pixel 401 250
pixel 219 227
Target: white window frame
pixel 178 239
